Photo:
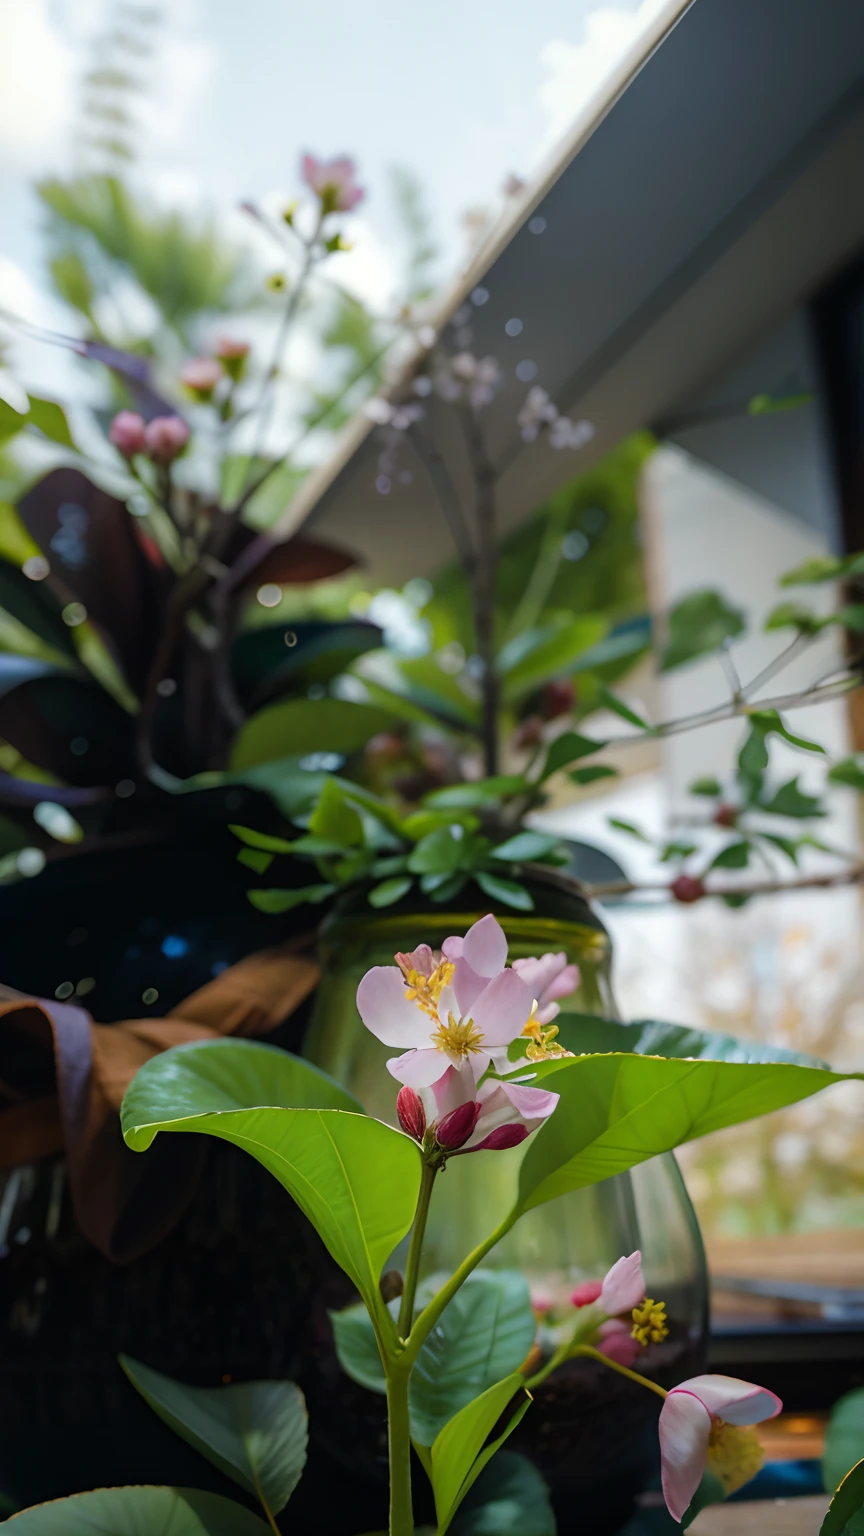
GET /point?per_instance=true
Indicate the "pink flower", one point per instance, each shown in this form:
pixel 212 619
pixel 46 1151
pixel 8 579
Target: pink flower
pixel 451 1016
pixel 624 1285
pixel 616 1341
pixel 165 437
pixel 334 182
pixel 705 1421
pixel 127 432
pixel 549 978
pixel 201 375
pixel 232 355
pixel 586 1293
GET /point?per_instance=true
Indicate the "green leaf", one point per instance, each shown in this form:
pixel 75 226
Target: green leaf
pixel 420 823
pixel 448 888
pixel 480 792
pixel 568 748
pixel 844 1439
pixel 629 828
pixel 849 772
pixel 255 1432
pixel 253 858
pixel 50 418
pixel 588 1034
pixel 767 720
pixel 509 1498
pixel 552 654
pixel 526 846
pixel 509 891
pixel 300 726
pixel 389 891
pixel 789 800
pixel 261 840
pixel 698 625
pixel 618 1111
pixel 612 701
pixel 592 774
pixel 11 421
pixel 710 788
pixel 356 1179
pixel 456 1453
pixel 753 760
pixel 439 852
pixel 821 568
pixel 483 1334
pixel 404 706
pixel 275 901
pixel 845 1515
pixel 851 617
pixel 793 616
pixel 356 1347
pixel 334 819
pixel 733 856
pixel 765 405
pixel 140 1512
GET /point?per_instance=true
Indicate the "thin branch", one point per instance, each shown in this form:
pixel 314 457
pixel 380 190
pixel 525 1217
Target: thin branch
pixel 731 671
pixel 485 574
pixel 820 694
pixel 447 494
pixel 835 879
pixel 795 647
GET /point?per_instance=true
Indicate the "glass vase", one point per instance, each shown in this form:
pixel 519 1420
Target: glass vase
pixel 591 1433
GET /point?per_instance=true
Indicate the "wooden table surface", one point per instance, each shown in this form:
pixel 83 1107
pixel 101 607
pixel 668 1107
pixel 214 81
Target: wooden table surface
pixel 768 1517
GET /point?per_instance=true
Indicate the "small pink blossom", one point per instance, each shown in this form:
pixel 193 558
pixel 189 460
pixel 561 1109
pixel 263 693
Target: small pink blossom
pixel 549 978
pixel 226 348
pixel 201 375
pixel 165 437
pixel 586 1293
pixel 334 182
pixel 624 1285
pixel 127 433
pixel 615 1340
pixel 704 1422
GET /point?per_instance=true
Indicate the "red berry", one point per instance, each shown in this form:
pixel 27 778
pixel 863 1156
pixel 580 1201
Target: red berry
pixel 726 815
pixel 558 698
pixel 686 888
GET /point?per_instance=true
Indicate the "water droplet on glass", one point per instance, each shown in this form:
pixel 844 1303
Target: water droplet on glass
pixel 536 225
pixel 575 545
pixel 30 862
pixel 124 789
pixel 269 596
pixel 150 995
pixel 526 371
pixel 65 989
pixel 290 637
pixel 165 687
pixel 36 568
pixel 85 985
pixel 78 746
pixel 74 614
pixel 480 296
pixel 514 327
pixel 382 485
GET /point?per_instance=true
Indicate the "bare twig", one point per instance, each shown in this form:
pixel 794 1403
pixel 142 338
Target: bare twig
pixel 788 654
pixel 834 879
pixel 822 693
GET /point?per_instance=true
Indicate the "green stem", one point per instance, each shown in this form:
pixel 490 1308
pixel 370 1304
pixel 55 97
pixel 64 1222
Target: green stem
pixel 594 1354
pixel 412 1268
pixel 430 1314
pixel 399 1444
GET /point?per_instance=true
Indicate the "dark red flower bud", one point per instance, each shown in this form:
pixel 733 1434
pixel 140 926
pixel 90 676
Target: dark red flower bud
pixel 587 1292
pixel 455 1129
pixel 529 732
pixel 505 1136
pixel 686 888
pixel 412 1115
pixel 558 698
pixel 726 816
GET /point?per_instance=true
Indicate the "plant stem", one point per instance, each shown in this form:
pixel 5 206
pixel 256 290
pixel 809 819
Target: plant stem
pixel 399 1447
pixel 412 1268
pixel 430 1314
pixel 594 1354
pixel 484 573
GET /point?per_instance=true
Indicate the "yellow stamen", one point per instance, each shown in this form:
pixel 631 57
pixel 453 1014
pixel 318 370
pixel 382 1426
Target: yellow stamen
pixel 649 1322
pixel 734 1454
pixel 543 1042
pixel 426 990
pixel 458 1037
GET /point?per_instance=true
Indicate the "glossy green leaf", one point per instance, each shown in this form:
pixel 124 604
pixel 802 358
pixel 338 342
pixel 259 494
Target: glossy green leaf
pixel 457 1458
pixel 768 720
pixel 790 615
pixel 849 772
pixel 253 858
pixel 390 891
pixel 592 774
pixel 509 1498
pixel 261 840
pixel 568 748
pixel 50 418
pixel 356 1347
pixel 619 707
pixel 11 421
pixel 510 892
pixel 698 625
pixel 767 405
pixel 255 1432
pixel 851 616
pixel 618 1111
pixel 844 1439
pixel 438 853
pixel 552 655
pixel 589 1034
pixel 708 787
pixel 526 846
pixel 479 792
pixel 733 856
pixel 845 1515
pixel 421 823
pixel 406 706
pixel 300 726
pixel 356 1179
pixel 629 827
pixel 275 900
pixel 140 1511
pixel 821 568
pixel 272 659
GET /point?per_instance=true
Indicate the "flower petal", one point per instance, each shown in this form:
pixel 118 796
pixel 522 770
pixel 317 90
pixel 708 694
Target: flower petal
pixel 685 1425
pixel 454 1088
pixel 467 986
pixel 738 1402
pixel 615 1340
pixel 502 1009
pixel 452 948
pixel 530 1103
pixel 485 947
pixel 624 1286
pixel 386 1011
pixel 419 1069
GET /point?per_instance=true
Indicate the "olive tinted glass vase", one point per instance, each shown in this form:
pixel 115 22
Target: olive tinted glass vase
pixel 591 1433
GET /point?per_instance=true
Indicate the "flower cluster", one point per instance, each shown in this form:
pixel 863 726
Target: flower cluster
pixel 540 412
pixel 454 1015
pixel 161 439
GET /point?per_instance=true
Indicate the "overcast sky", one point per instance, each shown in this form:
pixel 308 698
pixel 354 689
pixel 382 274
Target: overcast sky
pixel 462 93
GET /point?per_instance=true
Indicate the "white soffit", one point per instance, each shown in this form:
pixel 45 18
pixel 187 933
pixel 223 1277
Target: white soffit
pixel 710 195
